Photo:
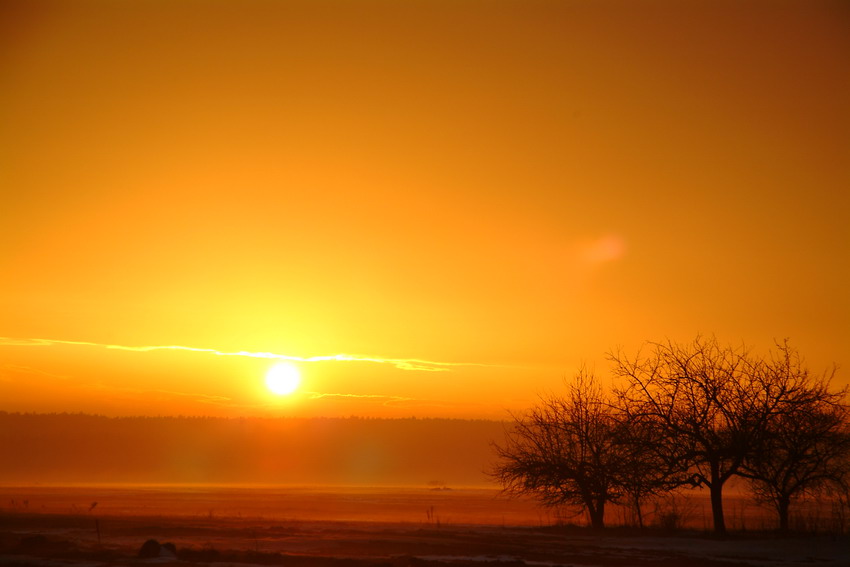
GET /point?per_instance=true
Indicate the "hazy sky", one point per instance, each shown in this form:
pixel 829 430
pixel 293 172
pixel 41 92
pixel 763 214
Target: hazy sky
pixel 468 199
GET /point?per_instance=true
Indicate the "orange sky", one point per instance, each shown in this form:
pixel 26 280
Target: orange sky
pixel 501 189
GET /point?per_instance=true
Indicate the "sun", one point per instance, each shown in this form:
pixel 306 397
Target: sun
pixel 283 378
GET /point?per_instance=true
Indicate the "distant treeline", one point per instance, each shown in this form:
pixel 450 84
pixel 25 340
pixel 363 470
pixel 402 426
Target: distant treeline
pixel 76 448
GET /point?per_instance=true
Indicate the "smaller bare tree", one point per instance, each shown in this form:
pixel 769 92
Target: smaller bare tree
pixel 644 471
pixel 568 450
pixel 805 446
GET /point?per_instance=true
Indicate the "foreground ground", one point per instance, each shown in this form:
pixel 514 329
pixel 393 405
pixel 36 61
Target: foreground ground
pixel 96 525
pixel 75 540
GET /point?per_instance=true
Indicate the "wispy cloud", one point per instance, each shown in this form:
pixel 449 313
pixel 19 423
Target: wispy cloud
pixel 202 398
pixel 400 363
pixel 172 395
pixel 159 395
pixel 15 369
pixel 382 399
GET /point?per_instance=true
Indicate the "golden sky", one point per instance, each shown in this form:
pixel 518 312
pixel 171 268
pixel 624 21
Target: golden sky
pixel 430 207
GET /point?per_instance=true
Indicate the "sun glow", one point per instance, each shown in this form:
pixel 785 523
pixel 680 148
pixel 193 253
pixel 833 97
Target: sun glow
pixel 283 378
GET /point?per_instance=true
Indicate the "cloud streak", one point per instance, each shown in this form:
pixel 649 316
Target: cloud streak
pixel 400 363
pixel 383 399
pixel 15 369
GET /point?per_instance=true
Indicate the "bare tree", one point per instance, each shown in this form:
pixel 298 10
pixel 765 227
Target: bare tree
pixel 567 450
pixel 701 397
pixel 643 472
pixel 692 414
pixel 806 442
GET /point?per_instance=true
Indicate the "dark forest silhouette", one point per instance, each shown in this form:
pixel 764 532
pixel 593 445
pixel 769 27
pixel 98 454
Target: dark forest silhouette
pixel 692 415
pixel 72 448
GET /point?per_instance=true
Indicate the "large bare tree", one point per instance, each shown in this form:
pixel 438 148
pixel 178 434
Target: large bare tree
pixel 710 402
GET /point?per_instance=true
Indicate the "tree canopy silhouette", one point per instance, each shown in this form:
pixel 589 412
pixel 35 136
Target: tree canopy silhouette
pixel 805 446
pixel 695 414
pixel 714 402
pixel 571 450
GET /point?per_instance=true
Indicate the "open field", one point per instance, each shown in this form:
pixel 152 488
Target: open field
pixel 55 527
pixel 430 505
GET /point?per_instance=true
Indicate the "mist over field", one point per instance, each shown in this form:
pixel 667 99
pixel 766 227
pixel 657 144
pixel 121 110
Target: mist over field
pixel 77 448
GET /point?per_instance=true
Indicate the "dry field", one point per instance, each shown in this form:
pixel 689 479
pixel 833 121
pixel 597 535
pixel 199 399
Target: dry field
pixel 62 527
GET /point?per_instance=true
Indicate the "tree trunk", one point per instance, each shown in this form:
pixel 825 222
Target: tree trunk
pixel 638 512
pixel 782 505
pixel 597 515
pixel 716 489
